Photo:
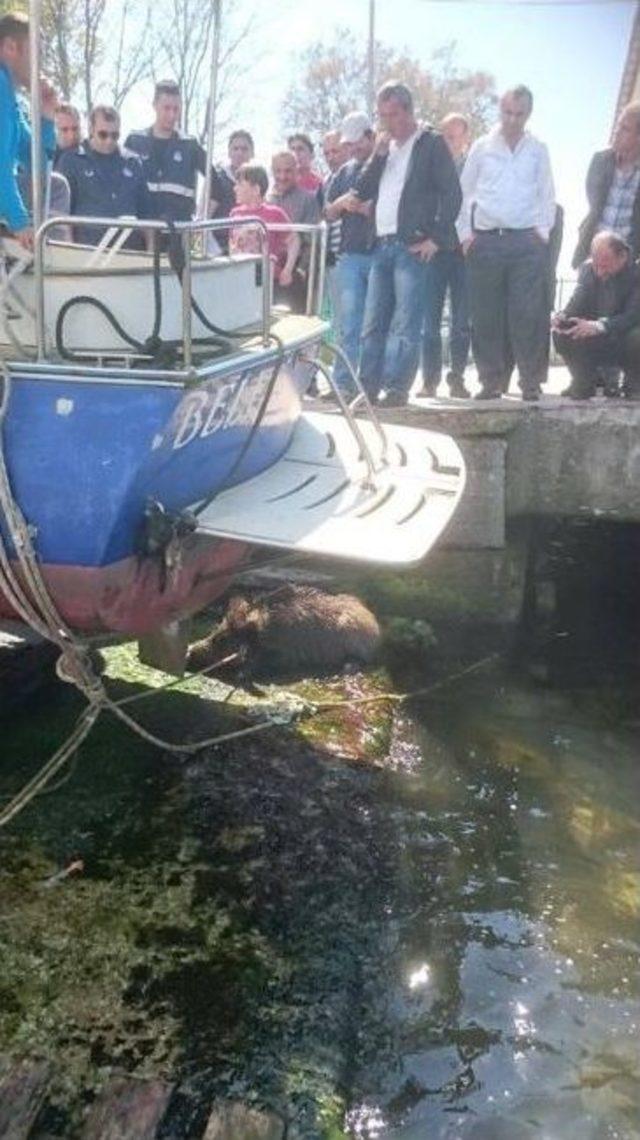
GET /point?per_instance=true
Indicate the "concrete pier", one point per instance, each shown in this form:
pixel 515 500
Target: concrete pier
pixel 557 458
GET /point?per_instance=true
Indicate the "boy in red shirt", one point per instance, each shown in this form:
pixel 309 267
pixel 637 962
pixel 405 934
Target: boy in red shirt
pixel 252 183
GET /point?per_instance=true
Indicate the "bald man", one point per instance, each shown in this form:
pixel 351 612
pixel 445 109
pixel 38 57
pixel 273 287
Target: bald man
pixel 600 326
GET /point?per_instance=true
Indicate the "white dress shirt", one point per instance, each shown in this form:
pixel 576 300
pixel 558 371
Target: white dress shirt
pixel 507 189
pixel 392 184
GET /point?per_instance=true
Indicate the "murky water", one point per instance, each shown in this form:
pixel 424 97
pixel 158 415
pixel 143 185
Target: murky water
pixel 440 945
pixel 512 989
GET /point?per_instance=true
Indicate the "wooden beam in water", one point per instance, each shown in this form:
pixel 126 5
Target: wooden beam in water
pixel 128 1110
pixel 22 1090
pixel 233 1121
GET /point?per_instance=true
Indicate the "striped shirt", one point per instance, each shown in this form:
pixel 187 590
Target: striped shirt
pixel 617 214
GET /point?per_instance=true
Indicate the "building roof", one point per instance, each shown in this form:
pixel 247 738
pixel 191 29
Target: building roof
pixel 630 83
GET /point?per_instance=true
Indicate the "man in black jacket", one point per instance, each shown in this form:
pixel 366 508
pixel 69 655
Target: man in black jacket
pixel 613 187
pixel 600 326
pixel 412 181
pixel 170 160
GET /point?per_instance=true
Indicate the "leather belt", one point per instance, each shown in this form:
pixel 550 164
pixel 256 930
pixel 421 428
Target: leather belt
pixel 500 230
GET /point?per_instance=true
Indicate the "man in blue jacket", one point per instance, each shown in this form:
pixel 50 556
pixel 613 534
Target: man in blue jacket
pixel 412 181
pixel 170 160
pixel 15 133
pixel 105 180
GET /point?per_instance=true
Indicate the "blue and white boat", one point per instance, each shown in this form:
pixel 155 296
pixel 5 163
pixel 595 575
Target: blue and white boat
pixel 145 487
pixel 154 432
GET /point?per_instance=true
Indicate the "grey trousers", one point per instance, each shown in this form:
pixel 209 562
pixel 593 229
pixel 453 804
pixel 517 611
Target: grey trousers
pixel 508 276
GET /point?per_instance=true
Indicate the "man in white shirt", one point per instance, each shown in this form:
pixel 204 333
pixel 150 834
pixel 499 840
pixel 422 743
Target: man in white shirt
pixel 507 214
pixel 413 185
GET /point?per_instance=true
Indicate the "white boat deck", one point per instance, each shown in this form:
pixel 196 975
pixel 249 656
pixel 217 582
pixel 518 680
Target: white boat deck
pixel 321 497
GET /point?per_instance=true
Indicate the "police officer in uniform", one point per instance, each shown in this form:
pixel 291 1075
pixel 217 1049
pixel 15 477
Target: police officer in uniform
pixel 170 160
pixel 105 180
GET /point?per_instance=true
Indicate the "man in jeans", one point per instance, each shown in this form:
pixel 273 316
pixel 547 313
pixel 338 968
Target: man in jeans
pixel 412 181
pixel 356 242
pixel 446 272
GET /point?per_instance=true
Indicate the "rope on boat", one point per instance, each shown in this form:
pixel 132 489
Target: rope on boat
pixel 154 346
pixel 27 594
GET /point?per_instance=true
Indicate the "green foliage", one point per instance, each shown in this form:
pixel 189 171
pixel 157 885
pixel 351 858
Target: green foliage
pixel 331 80
pixel 410 635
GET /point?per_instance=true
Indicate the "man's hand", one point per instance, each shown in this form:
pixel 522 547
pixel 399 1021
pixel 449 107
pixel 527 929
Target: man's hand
pixel 582 328
pixel 286 276
pixel 424 249
pixel 466 245
pixel 48 98
pixel 383 138
pixel 347 203
pixel 25 238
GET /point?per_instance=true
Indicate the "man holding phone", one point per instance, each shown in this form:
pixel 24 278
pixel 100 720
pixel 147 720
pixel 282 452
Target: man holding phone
pixel 600 326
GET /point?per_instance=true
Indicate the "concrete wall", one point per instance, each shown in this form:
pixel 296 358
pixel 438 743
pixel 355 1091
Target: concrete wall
pixel 556 458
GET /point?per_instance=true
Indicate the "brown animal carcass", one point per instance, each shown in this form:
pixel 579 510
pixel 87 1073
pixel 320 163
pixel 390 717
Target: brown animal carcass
pixel 294 630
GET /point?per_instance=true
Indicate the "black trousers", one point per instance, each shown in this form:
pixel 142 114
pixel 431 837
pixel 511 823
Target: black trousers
pixel 584 357
pixel 508 275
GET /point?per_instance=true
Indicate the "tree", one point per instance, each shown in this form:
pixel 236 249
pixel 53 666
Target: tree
pixel 131 58
pixel 91 49
pixel 184 51
pixel 332 81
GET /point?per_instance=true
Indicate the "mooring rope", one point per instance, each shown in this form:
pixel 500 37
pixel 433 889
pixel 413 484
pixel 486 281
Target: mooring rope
pixel 28 596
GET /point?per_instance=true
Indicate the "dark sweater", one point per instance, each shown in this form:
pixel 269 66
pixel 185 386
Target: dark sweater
pixel 616 302
pixel 431 195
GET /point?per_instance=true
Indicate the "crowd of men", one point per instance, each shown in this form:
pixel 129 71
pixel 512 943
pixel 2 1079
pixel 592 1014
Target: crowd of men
pixel 415 215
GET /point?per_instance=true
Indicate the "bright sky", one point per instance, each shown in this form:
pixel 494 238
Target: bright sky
pixel 571 54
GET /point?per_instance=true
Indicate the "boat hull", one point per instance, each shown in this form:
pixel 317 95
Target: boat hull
pixel 136 596
pixel 86 457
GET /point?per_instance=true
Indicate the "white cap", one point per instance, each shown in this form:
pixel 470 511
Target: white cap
pixel 354 126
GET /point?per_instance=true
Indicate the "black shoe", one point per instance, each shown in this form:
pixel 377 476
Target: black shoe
pixel 574 392
pixel 631 389
pixel 488 394
pixel 531 395
pixel 456 386
pixel 426 392
pixel 393 399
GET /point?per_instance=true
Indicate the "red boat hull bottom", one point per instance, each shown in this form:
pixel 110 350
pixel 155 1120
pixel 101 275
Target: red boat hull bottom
pixel 137 596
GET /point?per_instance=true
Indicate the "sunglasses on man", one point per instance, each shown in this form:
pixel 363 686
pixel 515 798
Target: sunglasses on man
pixel 108 135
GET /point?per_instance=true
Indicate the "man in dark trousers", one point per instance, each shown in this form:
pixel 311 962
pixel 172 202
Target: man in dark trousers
pixel 170 160
pixel 507 215
pixel 447 273
pixel 613 187
pixel 601 323
pixel 104 180
pixel 414 187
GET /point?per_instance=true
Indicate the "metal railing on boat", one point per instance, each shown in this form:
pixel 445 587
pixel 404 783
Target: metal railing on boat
pixel 185 231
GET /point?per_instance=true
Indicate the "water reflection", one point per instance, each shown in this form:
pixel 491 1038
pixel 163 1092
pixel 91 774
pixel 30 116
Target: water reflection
pixel 521 1018
pixel 441 947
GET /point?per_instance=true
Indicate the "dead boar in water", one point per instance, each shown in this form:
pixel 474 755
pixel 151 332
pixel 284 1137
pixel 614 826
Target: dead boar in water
pixel 295 630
